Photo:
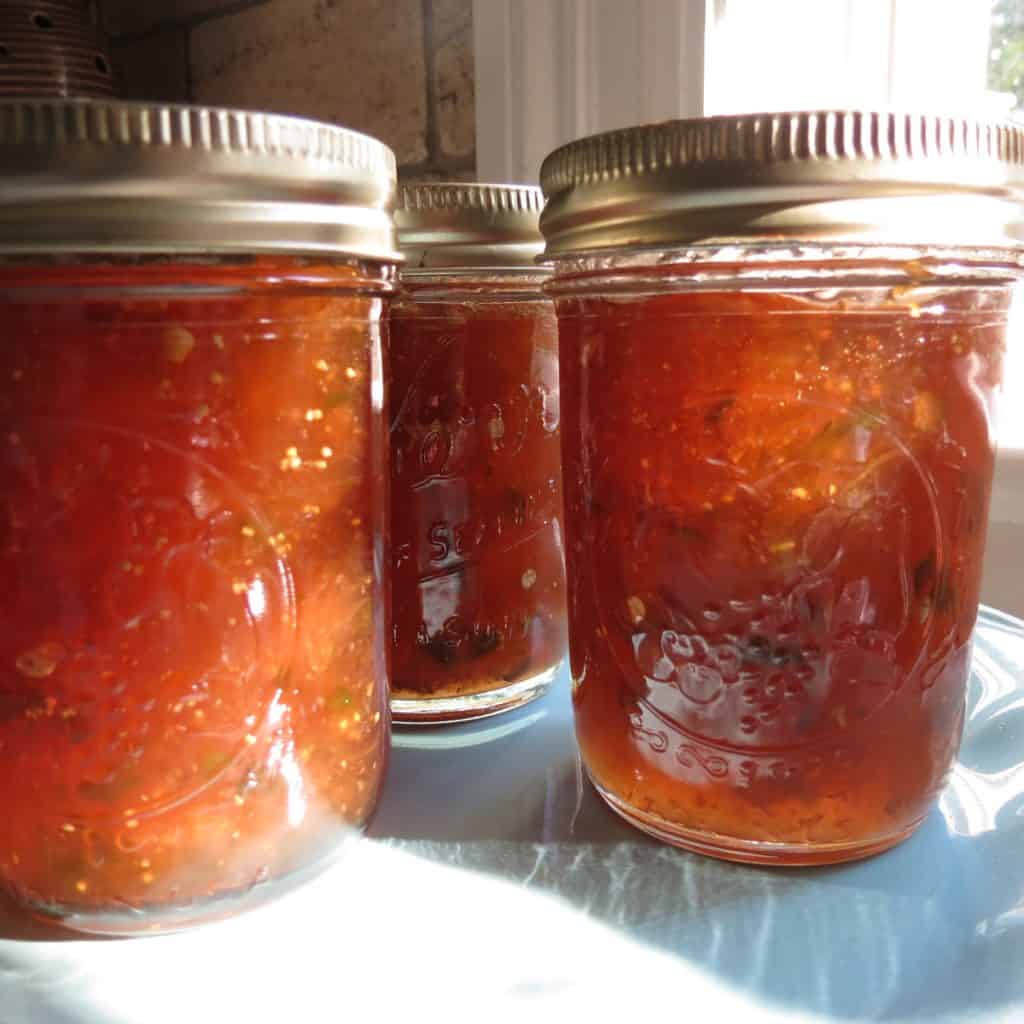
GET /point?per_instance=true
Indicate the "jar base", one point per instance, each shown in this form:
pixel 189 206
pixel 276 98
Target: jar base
pixel 163 919
pixel 464 708
pixel 752 851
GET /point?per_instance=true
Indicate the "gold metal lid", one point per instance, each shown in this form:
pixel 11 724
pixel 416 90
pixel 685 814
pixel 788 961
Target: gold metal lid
pixel 813 175
pixel 116 177
pixel 452 225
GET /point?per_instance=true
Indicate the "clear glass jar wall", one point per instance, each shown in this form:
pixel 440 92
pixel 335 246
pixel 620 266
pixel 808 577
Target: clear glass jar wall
pixel 479 597
pixel 193 701
pixel 777 466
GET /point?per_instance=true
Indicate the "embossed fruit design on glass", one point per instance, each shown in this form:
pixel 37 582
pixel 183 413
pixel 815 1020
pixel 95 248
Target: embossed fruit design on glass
pixel 479 578
pixel 777 464
pixel 193 457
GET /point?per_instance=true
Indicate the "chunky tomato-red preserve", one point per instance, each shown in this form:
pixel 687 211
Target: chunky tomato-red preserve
pixel 776 508
pixel 192 679
pixel 478 587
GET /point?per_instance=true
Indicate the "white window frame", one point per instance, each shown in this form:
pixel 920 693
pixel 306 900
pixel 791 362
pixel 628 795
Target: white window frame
pixel 542 73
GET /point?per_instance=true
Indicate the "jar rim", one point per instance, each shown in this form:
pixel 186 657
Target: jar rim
pixel 757 266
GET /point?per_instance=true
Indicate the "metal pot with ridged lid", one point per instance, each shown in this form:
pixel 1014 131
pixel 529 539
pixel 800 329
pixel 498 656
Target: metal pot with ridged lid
pixel 50 48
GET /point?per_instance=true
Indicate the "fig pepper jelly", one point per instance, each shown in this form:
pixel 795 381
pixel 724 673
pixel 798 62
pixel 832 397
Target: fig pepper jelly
pixel 478 585
pixel 781 339
pixel 193 687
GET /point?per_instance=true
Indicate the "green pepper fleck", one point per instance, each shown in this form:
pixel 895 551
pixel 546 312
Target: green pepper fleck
pixel 214 761
pixel 339 700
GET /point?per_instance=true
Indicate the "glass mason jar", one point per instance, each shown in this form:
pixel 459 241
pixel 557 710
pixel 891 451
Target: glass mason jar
pixel 193 678
pixel 479 577
pixel 777 404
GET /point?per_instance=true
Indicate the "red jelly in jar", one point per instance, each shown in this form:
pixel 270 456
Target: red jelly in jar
pixel 476 488
pixel 193 685
pixel 778 451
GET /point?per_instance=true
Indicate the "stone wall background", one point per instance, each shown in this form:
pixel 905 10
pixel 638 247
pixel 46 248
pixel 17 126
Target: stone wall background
pixel 401 70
